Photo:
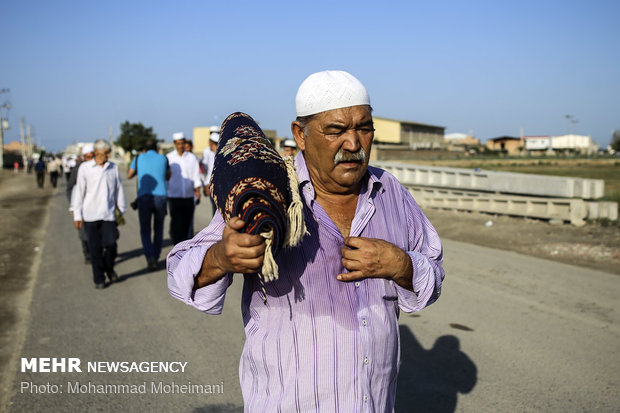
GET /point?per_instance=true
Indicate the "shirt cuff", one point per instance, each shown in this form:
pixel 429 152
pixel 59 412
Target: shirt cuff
pixel 208 299
pixel 423 284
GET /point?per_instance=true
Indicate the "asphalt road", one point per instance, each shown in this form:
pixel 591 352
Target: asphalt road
pixel 510 333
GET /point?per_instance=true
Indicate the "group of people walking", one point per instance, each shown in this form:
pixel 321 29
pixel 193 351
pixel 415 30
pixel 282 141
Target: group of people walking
pixel 52 164
pixel 171 182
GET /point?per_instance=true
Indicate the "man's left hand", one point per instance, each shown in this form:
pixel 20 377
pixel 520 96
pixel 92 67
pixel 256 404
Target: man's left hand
pixel 375 258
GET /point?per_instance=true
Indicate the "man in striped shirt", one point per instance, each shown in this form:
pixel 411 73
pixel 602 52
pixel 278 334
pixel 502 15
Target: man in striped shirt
pixel 327 340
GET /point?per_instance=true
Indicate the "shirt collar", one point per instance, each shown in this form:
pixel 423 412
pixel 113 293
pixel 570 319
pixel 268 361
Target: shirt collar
pixel 94 163
pixel 184 155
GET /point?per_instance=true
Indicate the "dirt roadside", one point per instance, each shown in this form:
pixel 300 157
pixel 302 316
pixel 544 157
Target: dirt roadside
pixel 23 220
pixel 595 245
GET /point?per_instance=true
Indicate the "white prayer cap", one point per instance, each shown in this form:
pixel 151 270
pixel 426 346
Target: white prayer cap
pixel 328 90
pixel 289 143
pixel 213 129
pixel 214 137
pixel 178 135
pixel 88 148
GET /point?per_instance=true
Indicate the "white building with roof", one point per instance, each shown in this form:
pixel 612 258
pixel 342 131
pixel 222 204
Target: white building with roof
pixel 574 143
pixel 562 143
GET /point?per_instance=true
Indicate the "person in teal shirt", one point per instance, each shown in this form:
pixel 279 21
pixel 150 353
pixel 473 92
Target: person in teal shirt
pixel 153 171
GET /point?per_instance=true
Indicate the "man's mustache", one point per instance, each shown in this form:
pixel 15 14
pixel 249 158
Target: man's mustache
pixel 346 156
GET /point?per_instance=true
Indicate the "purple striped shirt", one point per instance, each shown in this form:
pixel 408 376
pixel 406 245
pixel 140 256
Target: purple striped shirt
pixel 319 344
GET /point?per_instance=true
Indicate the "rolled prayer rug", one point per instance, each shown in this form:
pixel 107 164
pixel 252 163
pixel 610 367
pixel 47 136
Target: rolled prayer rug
pixel 252 181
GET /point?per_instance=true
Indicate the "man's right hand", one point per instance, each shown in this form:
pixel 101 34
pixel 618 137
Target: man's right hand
pixel 77 225
pixel 236 252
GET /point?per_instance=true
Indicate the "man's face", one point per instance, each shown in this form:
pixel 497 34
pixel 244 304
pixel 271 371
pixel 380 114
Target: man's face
pixel 188 146
pixel 213 146
pixel 88 156
pixel 337 147
pixel 101 156
pixel 288 151
pixel 179 145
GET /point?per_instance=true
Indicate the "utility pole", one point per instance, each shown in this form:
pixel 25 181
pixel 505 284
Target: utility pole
pixel 1 141
pixel 29 142
pixel 3 106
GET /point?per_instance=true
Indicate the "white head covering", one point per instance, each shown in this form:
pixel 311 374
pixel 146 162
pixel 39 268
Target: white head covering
pixel 289 143
pixel 328 90
pixel 214 137
pixel 88 148
pixel 178 135
pixel 214 129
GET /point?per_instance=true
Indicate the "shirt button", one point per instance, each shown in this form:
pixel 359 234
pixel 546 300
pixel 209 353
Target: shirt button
pixel 364 322
pixel 365 397
pixel 357 283
pixel 365 360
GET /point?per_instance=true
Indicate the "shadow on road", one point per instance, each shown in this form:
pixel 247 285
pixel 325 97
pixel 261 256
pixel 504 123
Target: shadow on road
pixel 138 252
pixel 430 380
pixel 139 273
pixel 127 255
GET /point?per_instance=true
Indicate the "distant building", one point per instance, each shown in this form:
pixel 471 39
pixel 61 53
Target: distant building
pixel 461 142
pixel 15 146
pixel 560 144
pixel 537 145
pixel 201 138
pixel 574 144
pixel 411 135
pixel 506 144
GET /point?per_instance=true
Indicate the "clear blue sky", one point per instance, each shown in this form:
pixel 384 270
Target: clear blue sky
pixel 77 67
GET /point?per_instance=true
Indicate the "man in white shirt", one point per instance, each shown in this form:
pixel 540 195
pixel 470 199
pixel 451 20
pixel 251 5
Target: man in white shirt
pixel 183 189
pixel 97 193
pixel 208 157
pixel 53 166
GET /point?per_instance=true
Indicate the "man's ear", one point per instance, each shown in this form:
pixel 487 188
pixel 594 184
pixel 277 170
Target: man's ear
pixel 298 135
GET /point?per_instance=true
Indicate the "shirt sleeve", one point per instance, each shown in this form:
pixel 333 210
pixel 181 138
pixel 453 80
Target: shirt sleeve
pixel 133 163
pixel 196 174
pixel 184 263
pixel 71 183
pixel 120 194
pixel 426 255
pixel 77 195
pixel 209 166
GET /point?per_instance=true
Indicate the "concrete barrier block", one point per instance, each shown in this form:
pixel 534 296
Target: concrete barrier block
pixel 494 181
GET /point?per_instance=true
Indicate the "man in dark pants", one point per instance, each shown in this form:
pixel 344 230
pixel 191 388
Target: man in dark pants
pixel 183 189
pixel 40 169
pixel 153 171
pixel 98 192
